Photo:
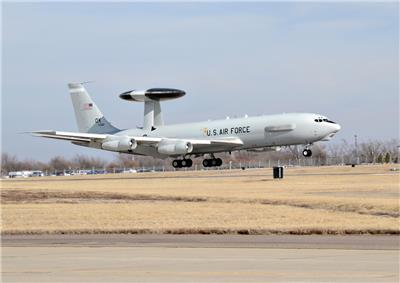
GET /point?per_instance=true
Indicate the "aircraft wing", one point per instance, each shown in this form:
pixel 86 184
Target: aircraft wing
pixel 149 141
pixel 87 137
pixel 69 136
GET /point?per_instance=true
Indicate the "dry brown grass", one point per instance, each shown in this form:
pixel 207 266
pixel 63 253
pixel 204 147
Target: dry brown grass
pixel 307 200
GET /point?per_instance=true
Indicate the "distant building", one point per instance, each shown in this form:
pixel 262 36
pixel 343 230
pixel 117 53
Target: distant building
pixel 25 174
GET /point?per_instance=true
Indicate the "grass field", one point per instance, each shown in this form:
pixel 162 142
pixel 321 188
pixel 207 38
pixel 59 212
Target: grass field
pixel 317 200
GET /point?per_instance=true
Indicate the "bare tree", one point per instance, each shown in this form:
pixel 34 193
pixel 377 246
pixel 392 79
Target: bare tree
pixel 9 163
pixel 126 161
pixel 85 162
pixel 59 163
pixel 295 152
pixel 370 150
pixel 392 147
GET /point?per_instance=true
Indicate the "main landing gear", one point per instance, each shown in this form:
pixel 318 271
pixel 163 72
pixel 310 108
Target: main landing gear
pixel 180 163
pixel 212 162
pixel 307 152
pixel 187 162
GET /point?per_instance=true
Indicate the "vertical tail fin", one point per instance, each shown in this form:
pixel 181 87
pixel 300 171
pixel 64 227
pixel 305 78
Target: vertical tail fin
pixel 88 116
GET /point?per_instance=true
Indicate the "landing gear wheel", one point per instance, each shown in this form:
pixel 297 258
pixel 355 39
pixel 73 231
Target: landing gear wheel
pixel 177 163
pixel 206 163
pixel 186 162
pixel 307 152
pixel 212 162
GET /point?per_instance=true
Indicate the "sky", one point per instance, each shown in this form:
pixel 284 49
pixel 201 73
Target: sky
pixel 232 59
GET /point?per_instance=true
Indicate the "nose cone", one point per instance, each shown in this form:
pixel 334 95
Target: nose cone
pixel 336 128
pixel 330 131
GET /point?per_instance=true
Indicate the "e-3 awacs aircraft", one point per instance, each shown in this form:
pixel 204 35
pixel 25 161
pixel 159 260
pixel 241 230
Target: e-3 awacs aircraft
pixel 184 141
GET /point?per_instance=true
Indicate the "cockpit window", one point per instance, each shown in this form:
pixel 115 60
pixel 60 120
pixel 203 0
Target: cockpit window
pixel 319 120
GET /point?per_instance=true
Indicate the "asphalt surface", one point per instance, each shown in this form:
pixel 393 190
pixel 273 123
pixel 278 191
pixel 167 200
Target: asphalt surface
pixel 199 258
pixel 362 242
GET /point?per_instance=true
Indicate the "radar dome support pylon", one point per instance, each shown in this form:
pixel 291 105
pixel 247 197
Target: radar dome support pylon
pixel 152 117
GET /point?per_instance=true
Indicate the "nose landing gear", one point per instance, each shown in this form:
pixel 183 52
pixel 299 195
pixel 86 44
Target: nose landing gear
pixel 307 152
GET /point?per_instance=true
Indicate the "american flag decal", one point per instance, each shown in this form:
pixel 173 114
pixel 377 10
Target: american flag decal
pixel 87 106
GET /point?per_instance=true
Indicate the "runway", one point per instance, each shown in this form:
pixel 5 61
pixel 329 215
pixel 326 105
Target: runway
pixel 199 258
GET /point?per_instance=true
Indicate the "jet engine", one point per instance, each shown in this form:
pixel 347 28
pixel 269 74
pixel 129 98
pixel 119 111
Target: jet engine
pixel 174 147
pixel 123 143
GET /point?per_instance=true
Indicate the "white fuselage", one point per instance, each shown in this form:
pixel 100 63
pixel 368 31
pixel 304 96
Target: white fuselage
pixel 255 132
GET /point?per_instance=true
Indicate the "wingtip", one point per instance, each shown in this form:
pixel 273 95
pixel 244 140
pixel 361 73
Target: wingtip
pixel 41 132
pixel 35 132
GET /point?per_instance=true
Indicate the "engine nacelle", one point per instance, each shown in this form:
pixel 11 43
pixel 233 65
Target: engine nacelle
pixel 174 147
pixel 123 143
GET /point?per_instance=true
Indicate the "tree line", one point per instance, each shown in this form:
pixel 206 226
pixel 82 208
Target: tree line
pixel 339 153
